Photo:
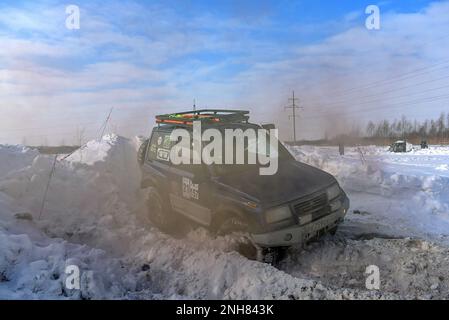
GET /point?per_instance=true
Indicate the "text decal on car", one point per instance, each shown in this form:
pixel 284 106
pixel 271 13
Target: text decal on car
pixel 189 189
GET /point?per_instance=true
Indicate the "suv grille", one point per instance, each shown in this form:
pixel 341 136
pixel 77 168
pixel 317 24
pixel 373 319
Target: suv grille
pixel 316 206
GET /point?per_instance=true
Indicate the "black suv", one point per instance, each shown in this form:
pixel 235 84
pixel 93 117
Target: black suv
pixel 296 204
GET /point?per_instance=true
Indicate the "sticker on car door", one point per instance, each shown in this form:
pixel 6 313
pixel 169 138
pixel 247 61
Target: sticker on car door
pixel 190 190
pixel 163 154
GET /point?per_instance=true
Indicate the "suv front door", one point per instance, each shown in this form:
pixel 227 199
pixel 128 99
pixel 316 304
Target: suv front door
pixel 187 186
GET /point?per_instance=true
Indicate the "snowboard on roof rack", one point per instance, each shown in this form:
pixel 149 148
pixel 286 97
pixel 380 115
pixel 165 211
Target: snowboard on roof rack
pixel 209 116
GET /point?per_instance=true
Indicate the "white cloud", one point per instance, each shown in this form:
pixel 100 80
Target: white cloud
pixel 141 69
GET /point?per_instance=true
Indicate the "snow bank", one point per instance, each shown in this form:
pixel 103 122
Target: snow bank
pixel 33 266
pixel 14 157
pixel 411 188
pixel 85 197
pixel 88 202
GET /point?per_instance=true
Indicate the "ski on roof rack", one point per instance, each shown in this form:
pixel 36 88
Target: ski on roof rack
pixel 209 116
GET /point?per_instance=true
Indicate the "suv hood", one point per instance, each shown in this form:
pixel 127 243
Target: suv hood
pixel 292 181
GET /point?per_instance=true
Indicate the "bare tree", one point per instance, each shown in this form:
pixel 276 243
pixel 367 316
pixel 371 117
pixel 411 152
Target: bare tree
pixel 79 136
pixel 370 129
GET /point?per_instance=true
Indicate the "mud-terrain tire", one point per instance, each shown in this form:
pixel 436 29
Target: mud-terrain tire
pixel 142 151
pixel 231 223
pixel 333 231
pixel 157 213
pixel 272 256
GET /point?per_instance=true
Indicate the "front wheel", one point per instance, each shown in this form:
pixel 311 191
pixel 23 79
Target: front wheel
pixel 333 231
pixel 231 223
pixel 272 256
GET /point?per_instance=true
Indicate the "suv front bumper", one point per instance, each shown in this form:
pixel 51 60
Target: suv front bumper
pixel 301 234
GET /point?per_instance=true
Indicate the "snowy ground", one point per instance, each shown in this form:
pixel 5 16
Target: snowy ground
pixel 398 194
pixel 91 219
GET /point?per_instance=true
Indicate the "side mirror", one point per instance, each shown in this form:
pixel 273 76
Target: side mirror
pixel 268 126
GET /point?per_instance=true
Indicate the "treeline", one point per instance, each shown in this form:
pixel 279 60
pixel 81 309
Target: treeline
pixel 436 130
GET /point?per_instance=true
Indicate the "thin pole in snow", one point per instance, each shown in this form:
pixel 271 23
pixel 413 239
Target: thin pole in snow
pixel 106 123
pixel 44 199
pixel 102 129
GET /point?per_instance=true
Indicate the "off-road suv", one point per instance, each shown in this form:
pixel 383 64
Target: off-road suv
pixel 296 204
pixel 400 146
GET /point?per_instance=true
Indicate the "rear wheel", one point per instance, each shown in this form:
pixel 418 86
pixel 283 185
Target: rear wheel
pixel 157 211
pixel 142 151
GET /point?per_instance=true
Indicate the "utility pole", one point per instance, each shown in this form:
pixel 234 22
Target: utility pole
pixel 293 116
pixel 194 105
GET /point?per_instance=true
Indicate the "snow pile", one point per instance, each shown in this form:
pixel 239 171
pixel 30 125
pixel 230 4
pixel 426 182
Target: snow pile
pixel 33 266
pixel 87 205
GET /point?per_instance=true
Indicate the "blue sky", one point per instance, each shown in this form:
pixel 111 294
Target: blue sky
pixel 150 57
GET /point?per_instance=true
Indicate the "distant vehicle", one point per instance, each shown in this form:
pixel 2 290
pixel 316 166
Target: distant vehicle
pixel 401 146
pixel 293 206
pixel 424 144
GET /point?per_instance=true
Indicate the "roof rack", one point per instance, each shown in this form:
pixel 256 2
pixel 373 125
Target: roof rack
pixel 208 116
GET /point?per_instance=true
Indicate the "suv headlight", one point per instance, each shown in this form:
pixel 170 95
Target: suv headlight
pixel 333 192
pixel 335 205
pixel 278 214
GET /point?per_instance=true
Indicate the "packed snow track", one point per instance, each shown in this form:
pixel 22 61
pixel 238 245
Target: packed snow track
pixel 399 221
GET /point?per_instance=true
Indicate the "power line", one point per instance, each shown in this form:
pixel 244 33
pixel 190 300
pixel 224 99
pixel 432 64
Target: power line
pixel 339 103
pixel 405 76
pixel 388 101
pixel 398 77
pixel 401 104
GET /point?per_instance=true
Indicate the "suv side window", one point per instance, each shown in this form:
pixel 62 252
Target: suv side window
pixel 159 147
